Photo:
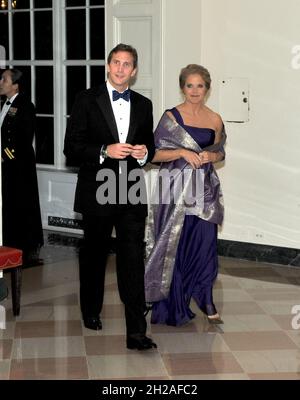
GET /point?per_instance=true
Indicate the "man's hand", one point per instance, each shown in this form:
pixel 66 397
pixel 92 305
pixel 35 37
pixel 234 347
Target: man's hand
pixel 139 151
pixel 119 150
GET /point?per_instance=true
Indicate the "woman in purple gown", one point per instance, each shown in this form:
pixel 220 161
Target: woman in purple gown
pixel 182 261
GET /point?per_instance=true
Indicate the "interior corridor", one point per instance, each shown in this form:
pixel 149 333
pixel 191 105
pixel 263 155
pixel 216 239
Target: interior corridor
pixel 48 340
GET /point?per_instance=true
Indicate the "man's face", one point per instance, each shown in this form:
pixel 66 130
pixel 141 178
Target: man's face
pixel 121 70
pixel 7 88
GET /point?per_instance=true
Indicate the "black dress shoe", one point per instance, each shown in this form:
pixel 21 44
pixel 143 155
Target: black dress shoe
pixel 140 342
pixel 92 323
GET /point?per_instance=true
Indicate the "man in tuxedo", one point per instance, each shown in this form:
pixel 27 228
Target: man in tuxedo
pixel 110 133
pixel 21 216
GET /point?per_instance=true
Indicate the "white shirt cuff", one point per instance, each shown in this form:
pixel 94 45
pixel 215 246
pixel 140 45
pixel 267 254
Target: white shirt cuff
pixel 143 160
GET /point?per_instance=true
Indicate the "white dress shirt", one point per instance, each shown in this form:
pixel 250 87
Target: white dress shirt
pixel 5 108
pixel 121 110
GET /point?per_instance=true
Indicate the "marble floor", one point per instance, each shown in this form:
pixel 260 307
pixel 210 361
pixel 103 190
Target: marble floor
pixel 257 340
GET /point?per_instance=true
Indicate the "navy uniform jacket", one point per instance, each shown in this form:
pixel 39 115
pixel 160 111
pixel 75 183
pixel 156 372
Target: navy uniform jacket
pixel 22 227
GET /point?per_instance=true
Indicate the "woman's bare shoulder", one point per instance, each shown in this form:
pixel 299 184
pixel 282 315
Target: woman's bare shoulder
pixel 170 114
pixel 216 119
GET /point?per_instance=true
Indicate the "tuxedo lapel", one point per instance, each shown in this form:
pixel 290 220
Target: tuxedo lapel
pixel 133 117
pixel 103 102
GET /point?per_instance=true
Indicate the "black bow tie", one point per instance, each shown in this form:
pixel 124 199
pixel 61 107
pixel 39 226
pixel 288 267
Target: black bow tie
pixel 8 103
pixel 125 95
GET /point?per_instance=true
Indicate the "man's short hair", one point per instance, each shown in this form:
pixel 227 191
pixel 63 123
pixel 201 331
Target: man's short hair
pixel 124 47
pixel 16 75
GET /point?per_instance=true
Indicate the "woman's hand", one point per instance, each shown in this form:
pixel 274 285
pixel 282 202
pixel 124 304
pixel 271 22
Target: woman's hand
pixel 209 156
pixel 192 158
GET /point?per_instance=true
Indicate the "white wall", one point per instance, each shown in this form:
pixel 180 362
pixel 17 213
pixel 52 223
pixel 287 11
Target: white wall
pixel 254 40
pixel 181 44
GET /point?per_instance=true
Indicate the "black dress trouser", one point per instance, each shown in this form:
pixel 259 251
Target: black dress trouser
pixel 130 230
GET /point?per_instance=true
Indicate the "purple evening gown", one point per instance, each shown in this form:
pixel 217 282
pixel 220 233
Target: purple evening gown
pixel 196 263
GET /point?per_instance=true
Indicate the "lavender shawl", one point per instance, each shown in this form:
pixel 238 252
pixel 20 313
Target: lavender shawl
pixel 165 218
